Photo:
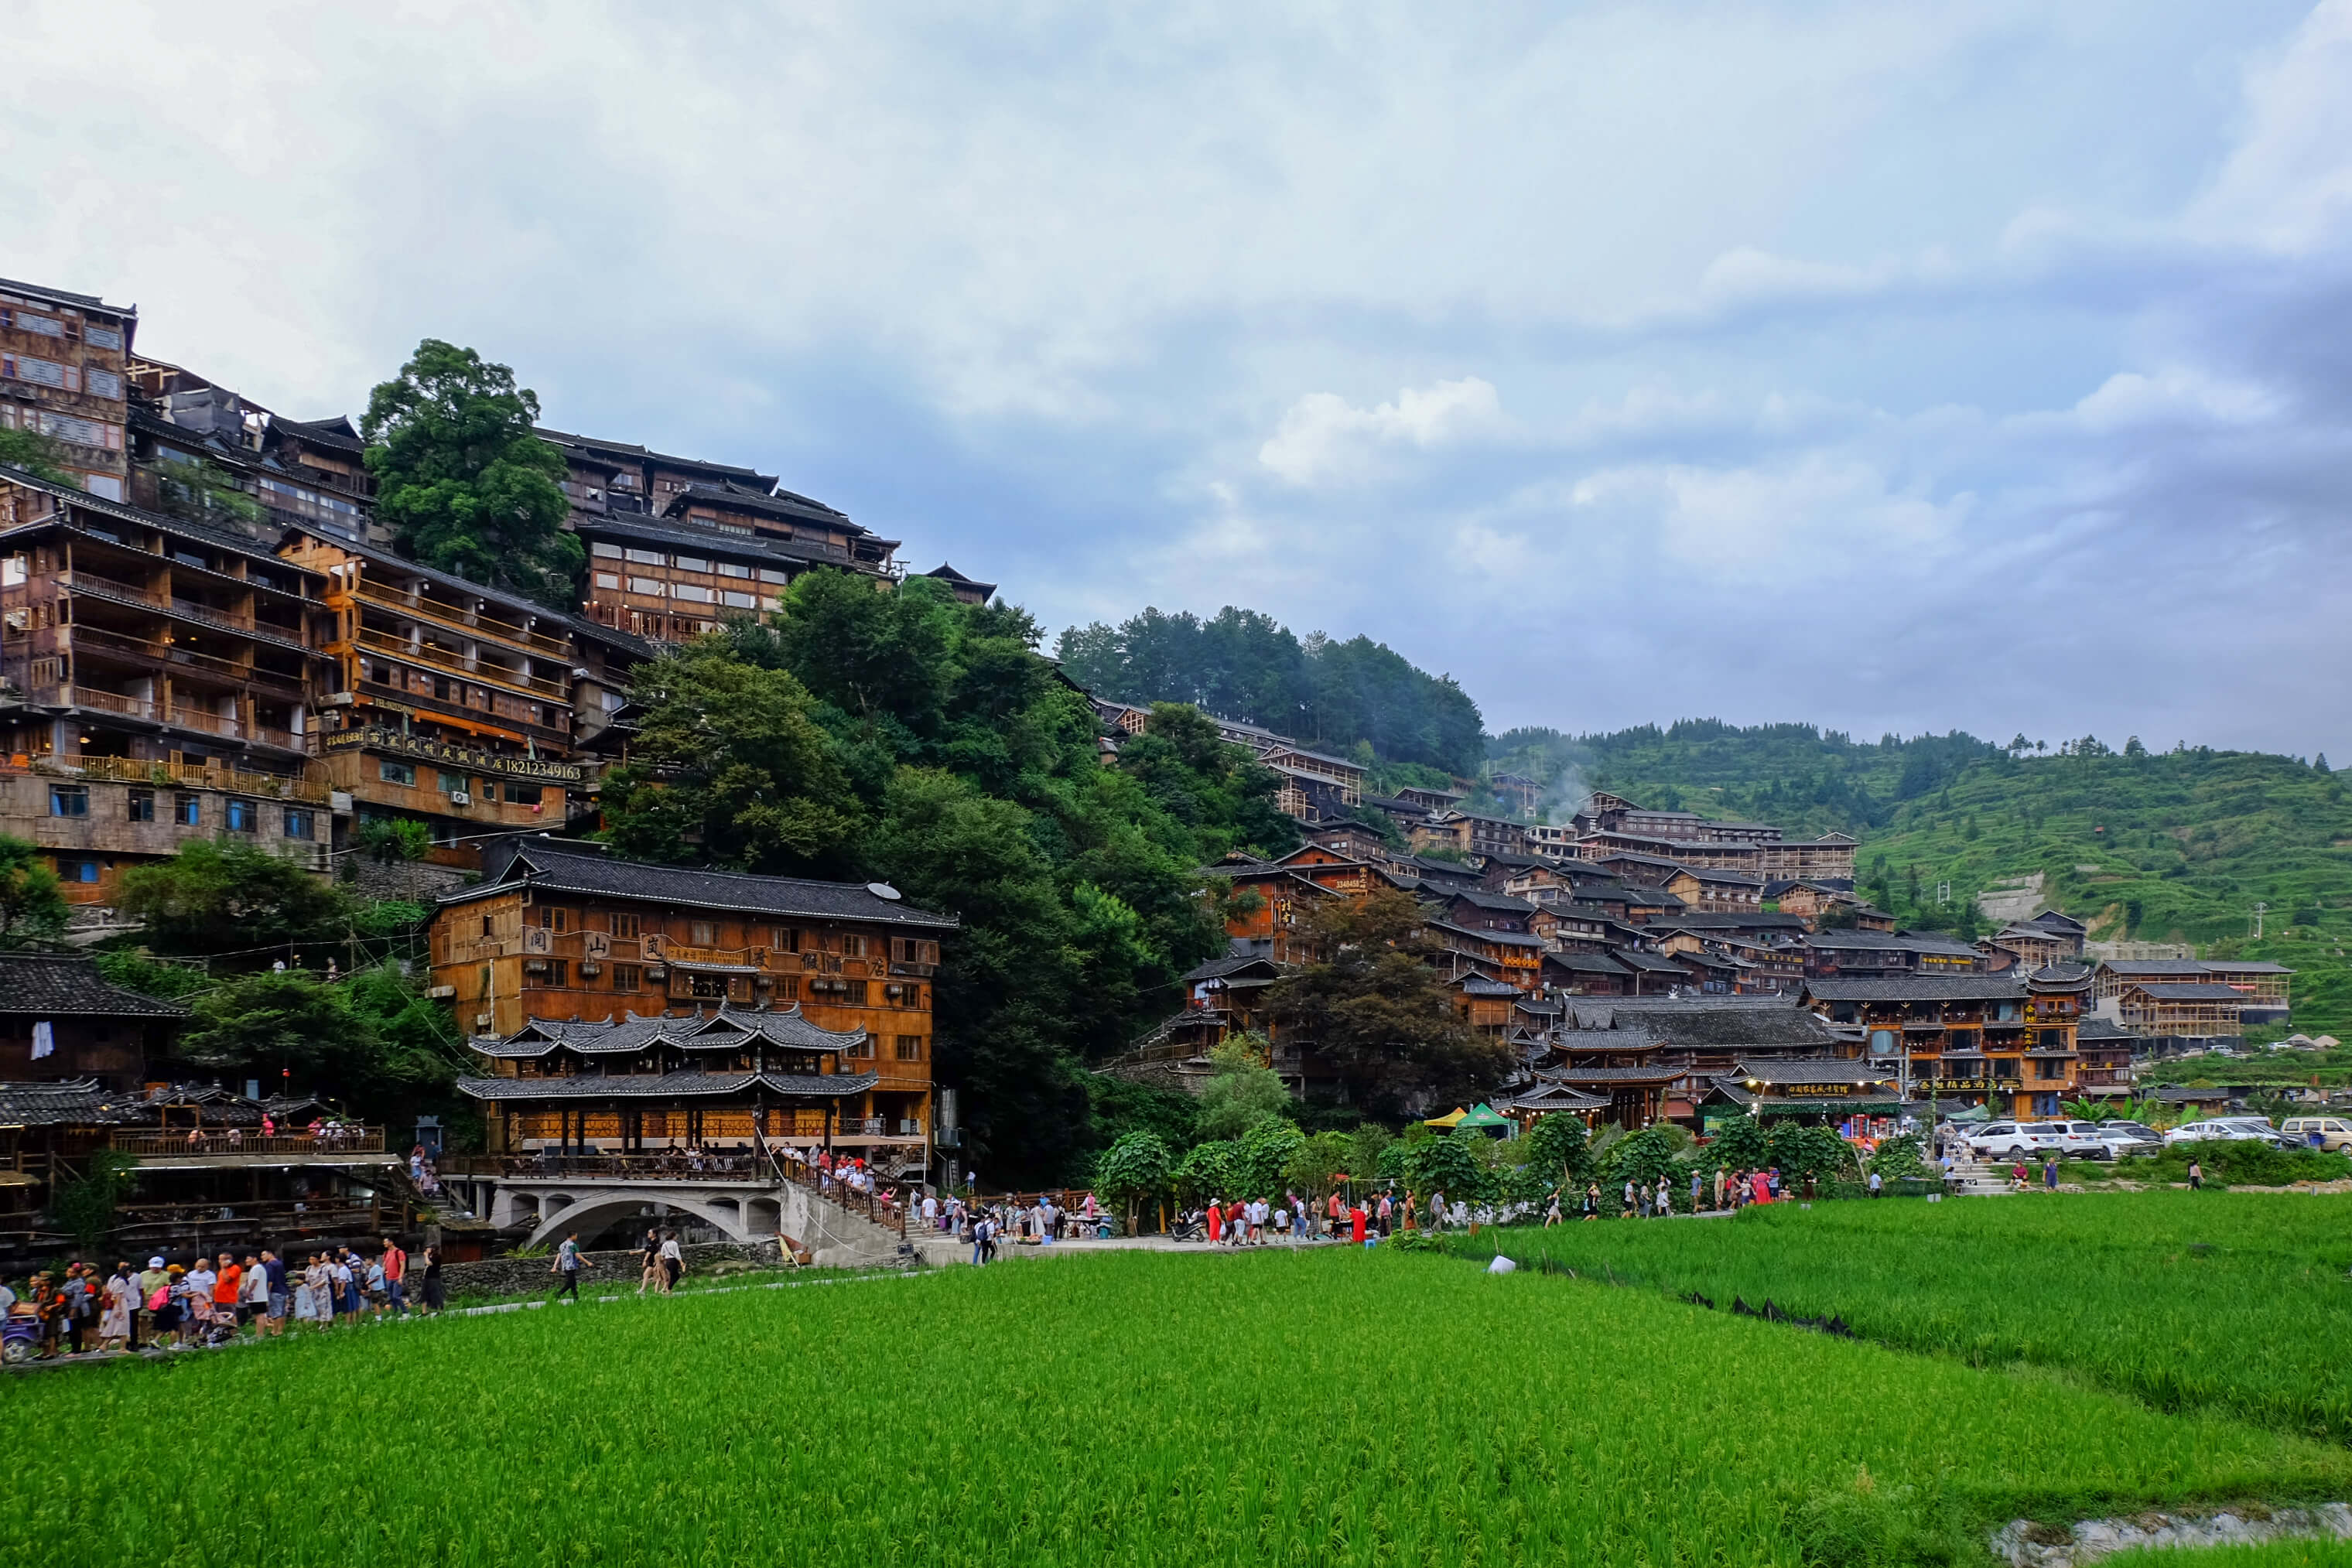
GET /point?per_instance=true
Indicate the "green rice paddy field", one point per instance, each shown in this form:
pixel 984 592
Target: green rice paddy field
pixel 2233 1302
pixel 1325 1407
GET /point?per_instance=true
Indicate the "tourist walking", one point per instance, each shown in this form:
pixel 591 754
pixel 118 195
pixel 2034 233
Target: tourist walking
pixel 568 1263
pixel 1551 1215
pixel 2196 1175
pixel 673 1261
pixel 273 1273
pixel 649 1262
pixel 395 1277
pixel 433 1297
pixel 114 1322
pixel 1873 1184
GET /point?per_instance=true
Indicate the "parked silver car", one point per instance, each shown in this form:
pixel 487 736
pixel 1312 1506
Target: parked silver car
pixel 2126 1139
pixel 2230 1130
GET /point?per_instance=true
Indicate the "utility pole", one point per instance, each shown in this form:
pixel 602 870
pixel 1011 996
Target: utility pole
pixel 2258 920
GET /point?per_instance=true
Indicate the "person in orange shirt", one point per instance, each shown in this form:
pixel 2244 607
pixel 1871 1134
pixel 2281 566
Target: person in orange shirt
pixel 1356 1223
pixel 225 1280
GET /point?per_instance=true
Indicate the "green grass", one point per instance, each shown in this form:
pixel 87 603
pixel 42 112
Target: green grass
pixel 1324 1408
pixel 2268 1554
pixel 2222 1302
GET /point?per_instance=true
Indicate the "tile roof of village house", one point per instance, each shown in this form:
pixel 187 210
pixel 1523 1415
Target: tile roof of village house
pixel 557 865
pixel 2192 993
pixel 729 1029
pixel 2128 967
pixel 1501 939
pixel 243 544
pixel 684 1081
pixel 647 455
pixel 1919 988
pixel 1501 903
pixel 1809 1070
pixel 63 984
pixel 782 504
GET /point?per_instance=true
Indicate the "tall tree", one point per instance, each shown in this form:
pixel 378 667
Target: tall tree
pixel 730 767
pixel 37 455
pixel 223 897
pixel 463 479
pixel 1375 1010
pixel 32 908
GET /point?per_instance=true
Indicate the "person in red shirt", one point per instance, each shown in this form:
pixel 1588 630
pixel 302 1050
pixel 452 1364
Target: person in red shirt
pixel 1356 1223
pixel 1216 1222
pixel 395 1272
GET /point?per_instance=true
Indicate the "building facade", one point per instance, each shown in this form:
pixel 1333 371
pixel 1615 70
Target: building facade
pixel 64 374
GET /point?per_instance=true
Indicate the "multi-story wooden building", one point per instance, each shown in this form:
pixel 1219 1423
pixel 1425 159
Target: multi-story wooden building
pixel 559 932
pixel 2261 987
pixel 1314 786
pixel 1997 1040
pixel 453 703
pixel 305 475
pixel 64 361
pixel 159 684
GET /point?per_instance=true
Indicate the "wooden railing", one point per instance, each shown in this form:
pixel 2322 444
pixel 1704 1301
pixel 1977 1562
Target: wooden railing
pixel 132 770
pixel 456 664
pixel 671 1165
pixel 220 1140
pixel 451 616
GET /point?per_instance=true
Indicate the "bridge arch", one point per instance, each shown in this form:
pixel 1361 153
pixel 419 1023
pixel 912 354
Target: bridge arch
pixel 592 1211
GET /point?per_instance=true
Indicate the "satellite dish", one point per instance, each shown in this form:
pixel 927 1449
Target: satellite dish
pixel 883 890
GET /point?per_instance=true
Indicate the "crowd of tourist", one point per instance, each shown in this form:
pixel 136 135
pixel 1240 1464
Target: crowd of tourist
pixel 215 1298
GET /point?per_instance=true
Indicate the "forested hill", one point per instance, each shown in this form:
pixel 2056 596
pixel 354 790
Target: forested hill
pixel 1358 698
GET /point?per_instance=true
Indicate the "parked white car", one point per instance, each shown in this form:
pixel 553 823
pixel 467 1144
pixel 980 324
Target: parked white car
pixel 2230 1130
pixel 2011 1140
pixel 2075 1140
pixel 2129 1139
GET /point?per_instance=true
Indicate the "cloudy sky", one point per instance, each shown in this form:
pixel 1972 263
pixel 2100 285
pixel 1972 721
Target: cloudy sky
pixel 1890 367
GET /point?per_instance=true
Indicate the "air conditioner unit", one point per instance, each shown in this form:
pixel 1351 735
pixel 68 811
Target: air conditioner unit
pixel 481 1020
pixel 460 798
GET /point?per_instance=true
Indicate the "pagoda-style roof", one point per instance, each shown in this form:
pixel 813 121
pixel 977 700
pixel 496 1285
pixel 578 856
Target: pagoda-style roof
pixel 686 1083
pixel 729 1029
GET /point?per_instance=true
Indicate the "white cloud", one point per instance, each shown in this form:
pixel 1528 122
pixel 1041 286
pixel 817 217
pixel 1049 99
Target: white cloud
pixel 2175 395
pixel 1325 440
pixel 2288 184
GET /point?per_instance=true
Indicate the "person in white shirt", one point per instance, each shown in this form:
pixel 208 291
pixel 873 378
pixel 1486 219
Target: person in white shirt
pixel 673 1260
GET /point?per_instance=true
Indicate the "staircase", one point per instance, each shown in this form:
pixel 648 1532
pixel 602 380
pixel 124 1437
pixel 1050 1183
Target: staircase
pixel 1973 1177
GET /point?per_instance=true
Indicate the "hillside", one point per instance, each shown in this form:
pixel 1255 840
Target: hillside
pixel 1358 698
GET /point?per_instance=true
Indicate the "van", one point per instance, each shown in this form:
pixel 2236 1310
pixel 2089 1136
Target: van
pixel 2330 1133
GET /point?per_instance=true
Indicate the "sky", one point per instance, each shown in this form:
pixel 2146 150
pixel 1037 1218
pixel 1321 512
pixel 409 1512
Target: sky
pixel 1893 368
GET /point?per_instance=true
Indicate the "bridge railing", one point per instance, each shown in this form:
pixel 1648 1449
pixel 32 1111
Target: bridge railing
pixel 674 1165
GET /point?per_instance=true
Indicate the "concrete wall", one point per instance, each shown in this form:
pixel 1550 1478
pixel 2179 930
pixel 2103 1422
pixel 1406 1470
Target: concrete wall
pixel 524 1276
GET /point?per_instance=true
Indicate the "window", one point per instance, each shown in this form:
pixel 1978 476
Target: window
pixel 555 917
pixel 852 946
pixel 734 528
pixel 702 933
pixel 187 811
pixel 522 794
pixel 25 322
pixel 301 824
pixel 910 1048
pixel 863 1048
pixel 101 337
pixel 646 556
pixel 734 600
pixel 774 574
pixel 626 925
pixel 733 569
pixel 788 988
pixel 139 806
pixel 486 927
pixel 608 579
pixel 69 800
pixel 78 871
pixel 102 384
pixel 558 972
pixel 688 563
pixel 694 592
pixel 644 585
pixel 785 939
pixel 244 817
pixel 627 976
pixel 708 987
pixel 610 552
pixel 392 772
pixel 855 997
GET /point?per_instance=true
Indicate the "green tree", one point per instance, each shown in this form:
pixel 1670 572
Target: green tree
pixel 87 1206
pixel 1208 1171
pixel 388 840
pixel 730 768
pixel 1447 1164
pixel 1318 1159
pixel 1739 1144
pixel 1242 1090
pixel 463 479
pixel 203 492
pixel 225 897
pixel 1266 1150
pixel 1132 1171
pixel 1377 1011
pixel 37 455
pixel 32 908
pixel 294 1027
pixel 1556 1146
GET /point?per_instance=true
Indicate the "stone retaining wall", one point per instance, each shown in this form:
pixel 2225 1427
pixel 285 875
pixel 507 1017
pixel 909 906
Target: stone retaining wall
pixel 525 1276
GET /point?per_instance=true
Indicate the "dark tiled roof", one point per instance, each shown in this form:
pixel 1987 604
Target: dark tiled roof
pixel 1478 986
pixel 1654 963
pixel 57 985
pixel 1218 968
pixel 1891 941
pixel 2194 993
pixel 562 866
pixel 780 504
pixel 1726 1021
pixel 76 1103
pixel 2103 1029
pixel 947 573
pixel 705 541
pixel 1809 1070
pixel 1584 963
pixel 729 1028
pixel 1918 989
pixel 1499 902
pixel 1502 938
pixel 663 1085
pixel 336 433
pixel 1609 1074
pixel 66 297
pixel 222 538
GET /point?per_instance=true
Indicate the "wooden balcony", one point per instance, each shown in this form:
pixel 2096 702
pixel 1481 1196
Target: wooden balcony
pixel 476 624
pixel 229 1143
pixel 458 664
pixel 133 770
